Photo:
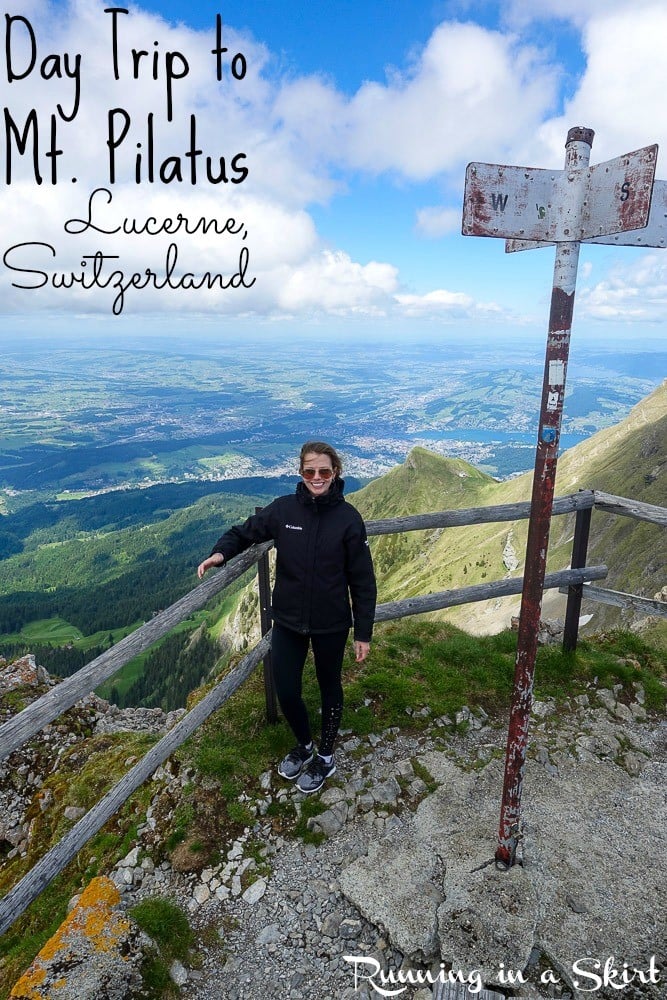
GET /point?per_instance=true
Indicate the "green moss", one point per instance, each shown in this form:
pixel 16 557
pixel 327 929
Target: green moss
pixel 425 775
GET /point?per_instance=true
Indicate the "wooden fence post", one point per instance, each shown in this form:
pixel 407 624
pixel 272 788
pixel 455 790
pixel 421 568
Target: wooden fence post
pixel 582 527
pixel 264 586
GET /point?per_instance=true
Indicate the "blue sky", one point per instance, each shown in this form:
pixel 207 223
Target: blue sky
pixel 357 120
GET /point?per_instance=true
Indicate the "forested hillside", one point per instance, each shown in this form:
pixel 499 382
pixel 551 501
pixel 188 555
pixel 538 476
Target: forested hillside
pixel 98 576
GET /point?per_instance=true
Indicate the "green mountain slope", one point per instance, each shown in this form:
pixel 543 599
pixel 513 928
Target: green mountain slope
pixel 628 459
pixel 100 580
pixel 429 481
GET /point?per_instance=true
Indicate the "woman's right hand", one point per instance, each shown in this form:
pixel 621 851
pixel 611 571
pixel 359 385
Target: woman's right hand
pixel 216 559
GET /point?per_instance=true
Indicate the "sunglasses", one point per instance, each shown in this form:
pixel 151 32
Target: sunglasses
pixel 309 474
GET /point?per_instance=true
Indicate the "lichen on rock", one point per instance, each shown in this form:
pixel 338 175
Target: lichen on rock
pixel 94 955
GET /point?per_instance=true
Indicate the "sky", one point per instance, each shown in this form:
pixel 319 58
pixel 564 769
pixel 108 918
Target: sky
pixel 345 127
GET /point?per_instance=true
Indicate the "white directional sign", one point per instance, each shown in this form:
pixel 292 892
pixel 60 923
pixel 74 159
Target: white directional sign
pixel 558 206
pixel 654 234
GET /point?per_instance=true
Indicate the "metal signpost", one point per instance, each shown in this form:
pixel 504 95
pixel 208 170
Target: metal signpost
pixel 530 208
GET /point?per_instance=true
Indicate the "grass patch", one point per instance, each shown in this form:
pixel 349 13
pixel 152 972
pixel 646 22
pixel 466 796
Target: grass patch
pixel 46 631
pixel 168 927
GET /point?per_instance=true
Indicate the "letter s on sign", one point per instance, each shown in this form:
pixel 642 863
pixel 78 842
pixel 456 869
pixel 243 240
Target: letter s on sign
pixel 579 971
pixel 625 191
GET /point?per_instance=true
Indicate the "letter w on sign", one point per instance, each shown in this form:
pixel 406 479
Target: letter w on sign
pixel 559 206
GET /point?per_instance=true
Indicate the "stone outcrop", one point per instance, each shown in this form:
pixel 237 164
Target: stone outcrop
pixel 95 955
pixel 24 672
pixel 24 772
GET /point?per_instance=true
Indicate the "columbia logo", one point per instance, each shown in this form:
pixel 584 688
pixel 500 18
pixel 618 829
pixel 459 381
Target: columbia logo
pixel 294 527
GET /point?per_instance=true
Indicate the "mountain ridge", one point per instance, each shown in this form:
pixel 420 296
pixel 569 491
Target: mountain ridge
pixel 628 459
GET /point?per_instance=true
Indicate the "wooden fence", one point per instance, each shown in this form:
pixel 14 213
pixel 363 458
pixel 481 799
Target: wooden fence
pixel 32 719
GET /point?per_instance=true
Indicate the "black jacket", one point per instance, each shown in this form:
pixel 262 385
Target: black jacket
pixel 323 559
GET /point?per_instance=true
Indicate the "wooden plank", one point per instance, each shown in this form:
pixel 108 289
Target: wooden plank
pixel 631 508
pixel 642 605
pixel 476 515
pixel 482 592
pixel 53 862
pixel 33 718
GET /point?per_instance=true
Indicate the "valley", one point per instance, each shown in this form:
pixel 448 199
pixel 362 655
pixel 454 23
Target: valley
pixel 86 417
pixel 121 464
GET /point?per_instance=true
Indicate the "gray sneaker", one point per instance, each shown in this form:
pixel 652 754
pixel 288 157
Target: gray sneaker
pixel 315 774
pixel 293 764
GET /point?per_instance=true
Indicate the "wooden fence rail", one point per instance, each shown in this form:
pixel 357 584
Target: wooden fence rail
pixel 641 605
pixel 53 862
pixel 477 515
pixel 28 722
pixel 482 592
pixel 630 508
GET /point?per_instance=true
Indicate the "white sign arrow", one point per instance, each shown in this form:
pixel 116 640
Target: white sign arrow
pixel 558 206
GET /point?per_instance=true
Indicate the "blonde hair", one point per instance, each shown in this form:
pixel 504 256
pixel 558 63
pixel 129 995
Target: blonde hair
pixel 321 448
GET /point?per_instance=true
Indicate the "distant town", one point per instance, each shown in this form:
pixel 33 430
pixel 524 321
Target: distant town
pixel 79 419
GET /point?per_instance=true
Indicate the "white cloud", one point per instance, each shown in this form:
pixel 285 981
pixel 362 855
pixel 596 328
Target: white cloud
pixel 519 13
pixel 334 283
pixel 621 91
pixel 470 89
pixel 631 293
pixel 443 304
pixel 437 222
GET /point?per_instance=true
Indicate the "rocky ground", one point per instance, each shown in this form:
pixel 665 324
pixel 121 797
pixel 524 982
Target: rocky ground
pixel 401 891
pixel 404 881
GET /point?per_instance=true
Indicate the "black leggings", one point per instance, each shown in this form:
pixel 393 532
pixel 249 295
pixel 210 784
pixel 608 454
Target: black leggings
pixel 288 656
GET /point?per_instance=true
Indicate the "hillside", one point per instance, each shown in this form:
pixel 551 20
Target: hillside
pixel 628 459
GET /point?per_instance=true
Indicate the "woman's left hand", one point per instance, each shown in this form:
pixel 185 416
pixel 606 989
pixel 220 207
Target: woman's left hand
pixel 361 650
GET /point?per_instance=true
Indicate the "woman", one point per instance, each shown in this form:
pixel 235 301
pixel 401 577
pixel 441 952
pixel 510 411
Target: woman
pixel 323 561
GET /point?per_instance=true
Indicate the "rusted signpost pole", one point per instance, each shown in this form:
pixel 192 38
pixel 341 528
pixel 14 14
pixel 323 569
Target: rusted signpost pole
pixel 578 149
pixel 532 207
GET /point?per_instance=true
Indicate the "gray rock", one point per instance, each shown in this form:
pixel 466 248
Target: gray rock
pixel 255 891
pixel 202 894
pixel 633 763
pixel 331 924
pixel 330 796
pixel 398 885
pixel 271 934
pixel 350 928
pixel 606 698
pixel 387 792
pixel 74 812
pixel 131 860
pixel 178 973
pixel 331 821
